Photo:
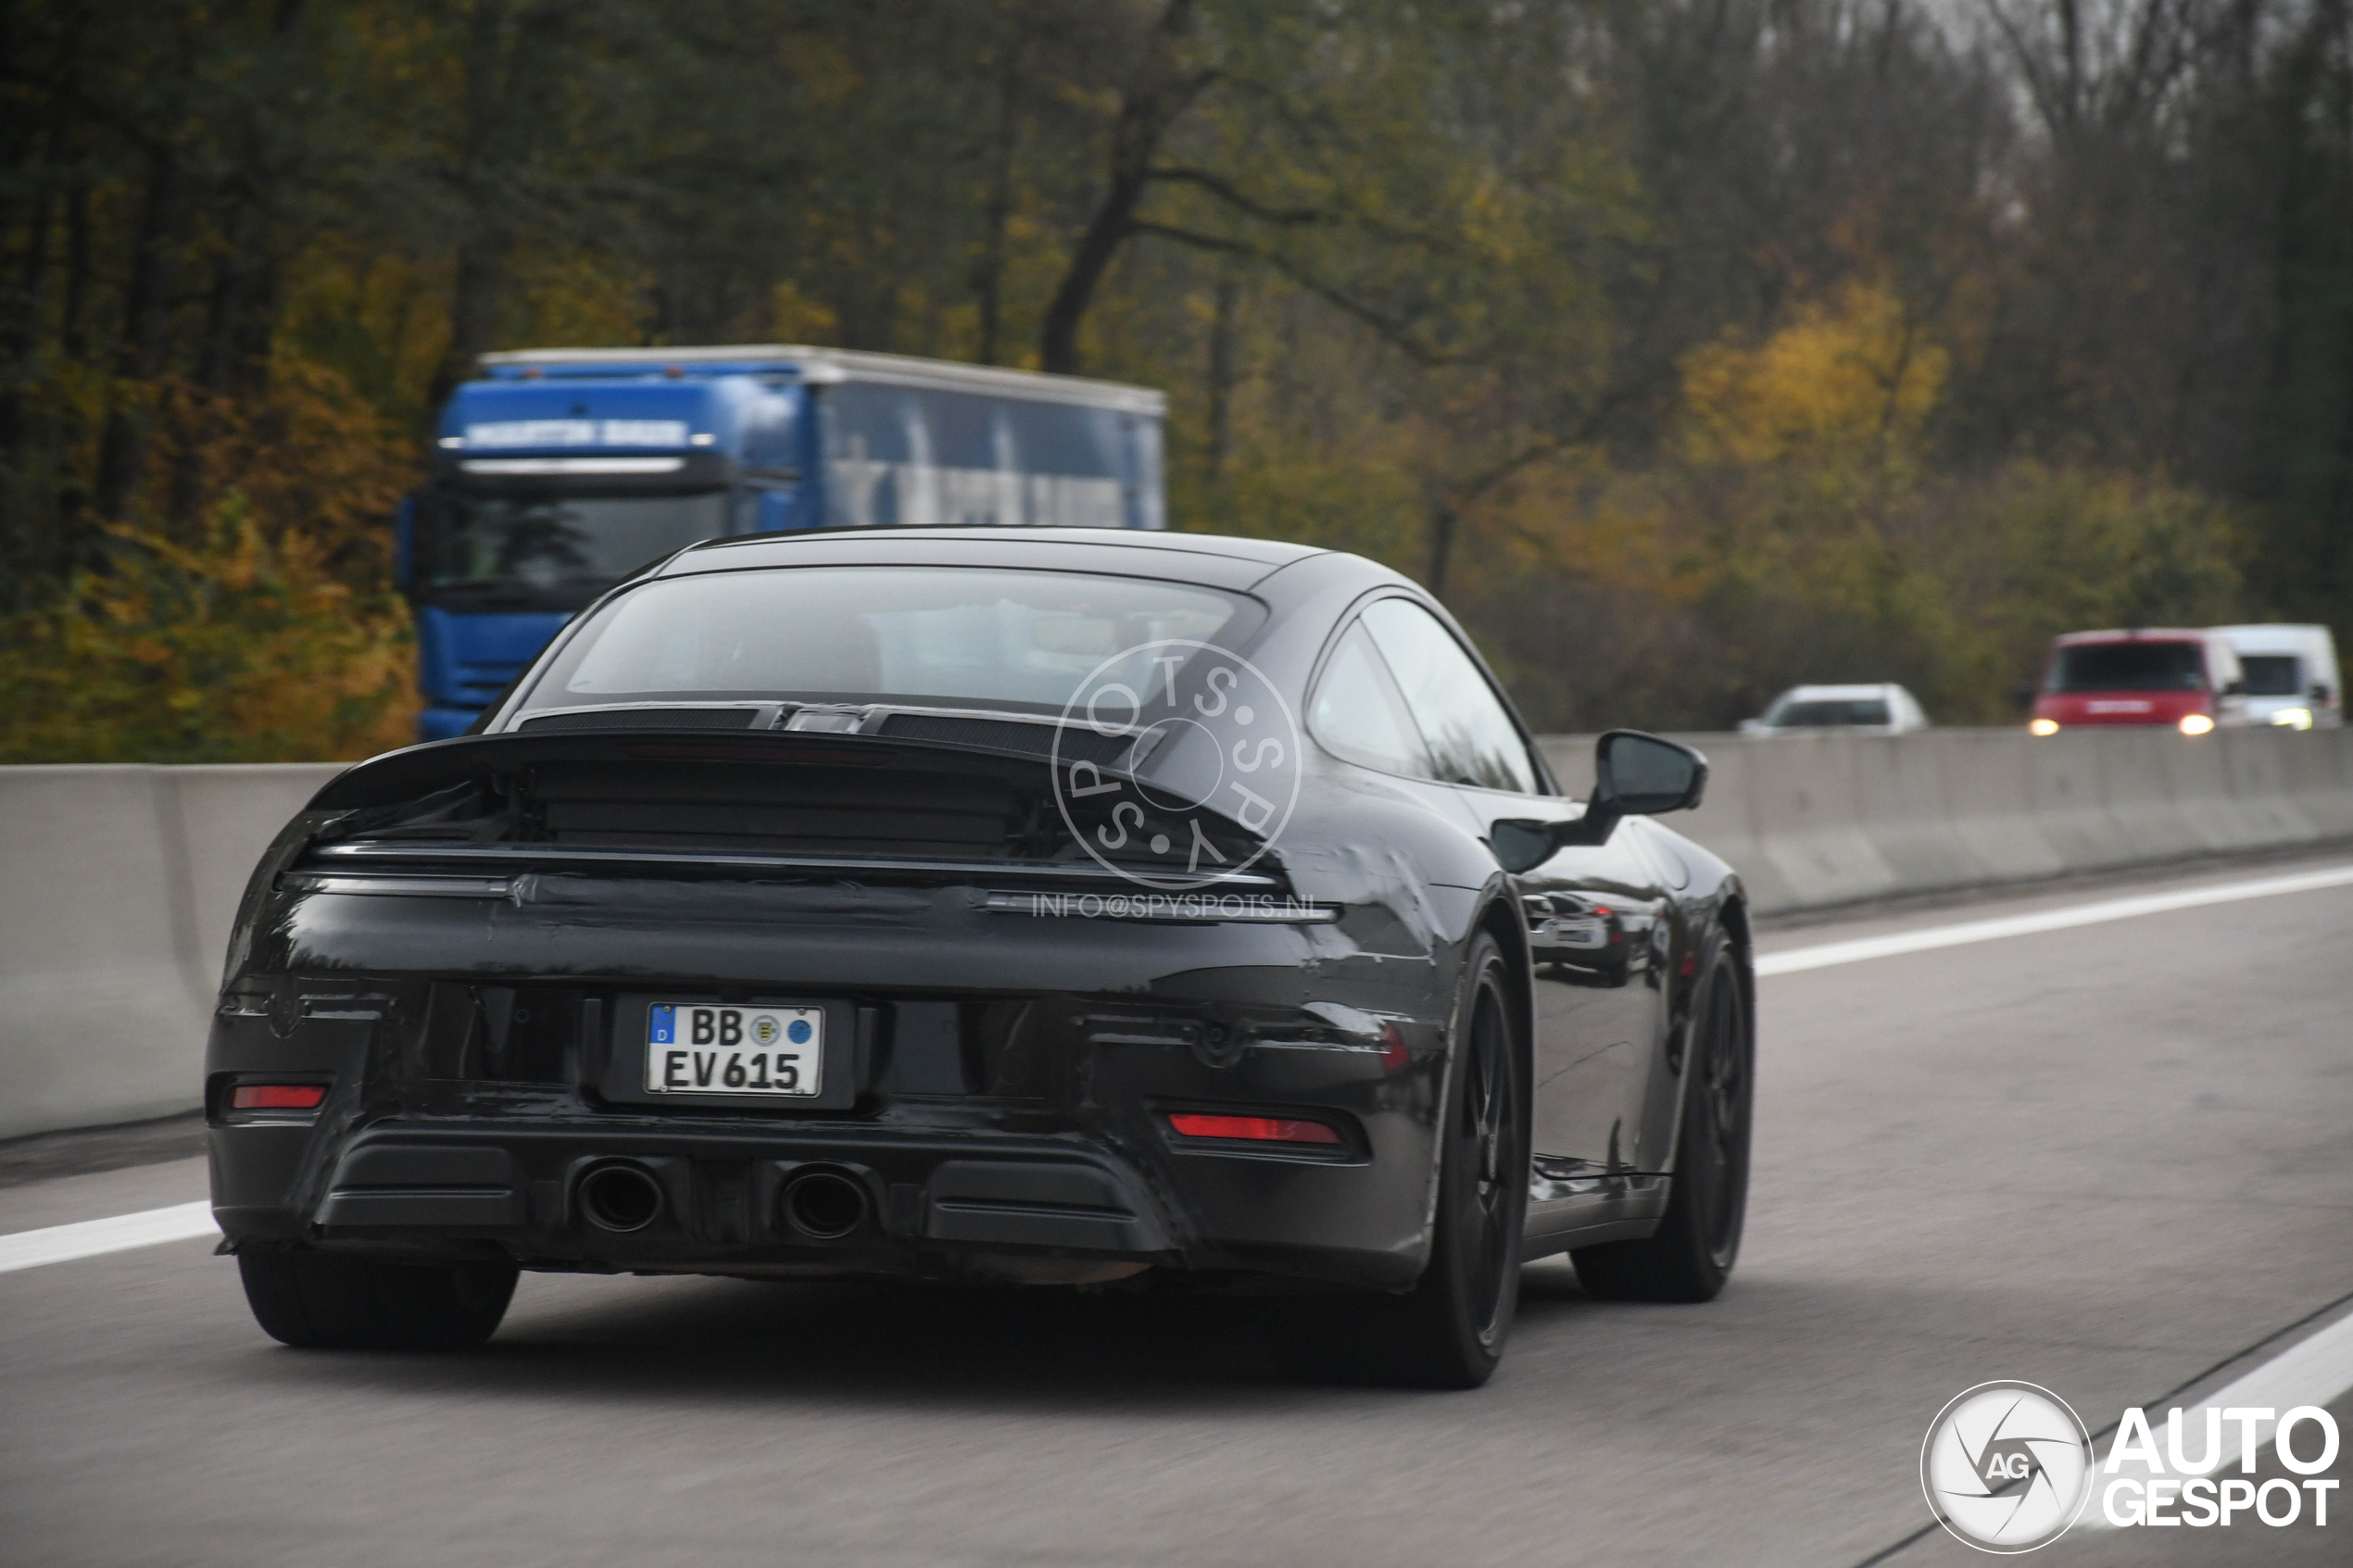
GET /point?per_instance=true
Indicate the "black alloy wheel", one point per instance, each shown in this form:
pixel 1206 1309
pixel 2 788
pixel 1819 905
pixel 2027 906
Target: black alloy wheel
pixel 320 1300
pixel 1692 1254
pixel 1449 1330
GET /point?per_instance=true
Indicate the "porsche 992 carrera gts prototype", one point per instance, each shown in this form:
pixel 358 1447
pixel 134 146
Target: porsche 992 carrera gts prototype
pixel 1045 906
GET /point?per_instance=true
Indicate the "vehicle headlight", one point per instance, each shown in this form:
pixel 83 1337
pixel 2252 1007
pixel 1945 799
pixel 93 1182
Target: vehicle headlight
pixel 2293 718
pixel 2196 724
pixel 2041 727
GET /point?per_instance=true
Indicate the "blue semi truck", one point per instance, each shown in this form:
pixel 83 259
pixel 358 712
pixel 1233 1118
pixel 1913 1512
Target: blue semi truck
pixel 562 471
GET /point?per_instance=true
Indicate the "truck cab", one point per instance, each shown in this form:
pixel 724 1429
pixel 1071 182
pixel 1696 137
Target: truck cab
pixel 560 472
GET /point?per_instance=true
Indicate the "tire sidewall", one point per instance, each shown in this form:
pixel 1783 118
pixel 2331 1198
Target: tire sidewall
pixel 1454 1261
pixel 1719 967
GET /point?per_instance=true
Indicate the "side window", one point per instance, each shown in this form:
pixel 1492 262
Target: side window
pixel 1357 714
pixel 1471 738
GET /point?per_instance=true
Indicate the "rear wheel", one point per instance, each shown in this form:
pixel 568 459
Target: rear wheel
pixel 320 1300
pixel 1448 1332
pixel 1690 1255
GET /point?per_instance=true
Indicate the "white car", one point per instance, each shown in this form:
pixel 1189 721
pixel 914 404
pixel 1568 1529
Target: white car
pixel 1883 708
pixel 2289 675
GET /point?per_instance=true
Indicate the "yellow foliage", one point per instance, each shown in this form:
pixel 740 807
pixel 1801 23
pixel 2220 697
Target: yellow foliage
pixel 1850 380
pixel 381 319
pixel 236 649
pixel 583 299
pixel 311 457
pixel 797 317
pixel 1347 503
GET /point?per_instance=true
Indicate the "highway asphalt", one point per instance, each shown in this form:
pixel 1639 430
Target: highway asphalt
pixel 2116 1161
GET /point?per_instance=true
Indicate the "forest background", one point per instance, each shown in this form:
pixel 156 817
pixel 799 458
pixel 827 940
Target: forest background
pixel 1687 349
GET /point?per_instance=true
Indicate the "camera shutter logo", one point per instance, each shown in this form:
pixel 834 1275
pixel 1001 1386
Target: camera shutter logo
pixel 1209 742
pixel 2007 1467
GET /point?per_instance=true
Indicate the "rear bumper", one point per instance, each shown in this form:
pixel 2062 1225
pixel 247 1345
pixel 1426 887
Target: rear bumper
pixel 1048 1208
pixel 1000 1087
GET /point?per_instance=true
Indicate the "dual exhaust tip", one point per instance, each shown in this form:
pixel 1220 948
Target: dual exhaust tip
pixel 620 1196
pixel 823 1205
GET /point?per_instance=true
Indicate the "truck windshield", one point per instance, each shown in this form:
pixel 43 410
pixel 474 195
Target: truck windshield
pixel 563 547
pixel 2128 667
pixel 2271 674
pixel 1011 639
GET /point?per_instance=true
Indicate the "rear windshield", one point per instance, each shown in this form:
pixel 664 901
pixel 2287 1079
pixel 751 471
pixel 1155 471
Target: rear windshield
pixel 2128 667
pixel 1011 639
pixel 2271 674
pixel 1822 711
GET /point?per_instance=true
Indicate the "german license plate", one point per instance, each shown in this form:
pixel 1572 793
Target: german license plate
pixel 699 1048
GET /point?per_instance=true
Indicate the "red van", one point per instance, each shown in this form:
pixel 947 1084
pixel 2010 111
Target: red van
pixel 2186 679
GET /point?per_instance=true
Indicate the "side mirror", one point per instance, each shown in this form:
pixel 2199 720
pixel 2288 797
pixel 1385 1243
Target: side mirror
pixel 404 543
pixel 2320 690
pixel 2235 689
pixel 1754 726
pixel 1646 774
pixel 1634 775
pixel 2021 696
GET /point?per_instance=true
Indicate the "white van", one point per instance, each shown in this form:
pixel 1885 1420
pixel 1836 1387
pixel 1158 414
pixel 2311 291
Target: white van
pixel 2290 673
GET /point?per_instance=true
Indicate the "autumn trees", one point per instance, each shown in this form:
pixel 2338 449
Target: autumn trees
pixel 1690 347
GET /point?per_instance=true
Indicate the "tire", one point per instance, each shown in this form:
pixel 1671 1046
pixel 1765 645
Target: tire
pixel 318 1300
pixel 1449 1330
pixel 1690 1255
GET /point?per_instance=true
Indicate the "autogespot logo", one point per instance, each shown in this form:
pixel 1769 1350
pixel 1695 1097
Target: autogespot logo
pixel 1222 749
pixel 2007 1467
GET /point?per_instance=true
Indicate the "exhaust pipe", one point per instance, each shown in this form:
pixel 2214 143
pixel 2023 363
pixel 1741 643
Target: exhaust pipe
pixel 621 1197
pixel 824 1205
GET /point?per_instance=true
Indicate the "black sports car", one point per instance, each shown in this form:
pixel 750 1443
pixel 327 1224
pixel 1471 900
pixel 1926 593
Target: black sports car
pixel 1047 906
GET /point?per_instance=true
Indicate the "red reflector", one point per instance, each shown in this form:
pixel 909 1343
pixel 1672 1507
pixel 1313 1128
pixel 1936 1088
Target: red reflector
pixel 277 1096
pixel 1394 1054
pixel 1264 1129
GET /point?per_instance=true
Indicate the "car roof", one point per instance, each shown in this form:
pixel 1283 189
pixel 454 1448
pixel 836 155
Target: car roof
pixel 2135 635
pixel 2280 637
pixel 1213 559
pixel 1835 694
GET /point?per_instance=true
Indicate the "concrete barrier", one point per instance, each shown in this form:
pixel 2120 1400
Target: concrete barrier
pixel 117 888
pixel 118 883
pixel 1906 811
pixel 1808 816
pixel 1988 792
pixel 1813 821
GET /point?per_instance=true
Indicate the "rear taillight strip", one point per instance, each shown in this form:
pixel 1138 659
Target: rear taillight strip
pixel 277 1096
pixel 1251 1129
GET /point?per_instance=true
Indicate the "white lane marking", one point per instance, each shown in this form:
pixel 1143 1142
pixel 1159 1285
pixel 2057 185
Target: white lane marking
pixel 2318 1370
pixel 63 1244
pixel 1823 955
